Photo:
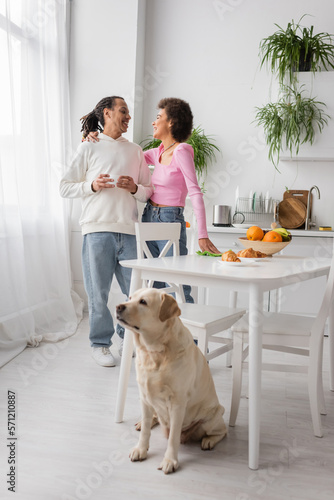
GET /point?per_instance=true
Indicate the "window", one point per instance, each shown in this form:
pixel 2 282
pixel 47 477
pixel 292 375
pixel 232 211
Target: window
pixel 11 36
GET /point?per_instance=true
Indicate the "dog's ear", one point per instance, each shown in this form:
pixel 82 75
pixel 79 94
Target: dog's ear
pixel 169 307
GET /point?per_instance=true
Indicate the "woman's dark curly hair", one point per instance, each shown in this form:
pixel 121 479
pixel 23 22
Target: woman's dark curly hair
pixel 92 121
pixel 179 112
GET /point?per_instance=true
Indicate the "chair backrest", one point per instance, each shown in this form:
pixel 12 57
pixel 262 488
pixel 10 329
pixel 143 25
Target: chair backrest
pixel 327 302
pixel 154 231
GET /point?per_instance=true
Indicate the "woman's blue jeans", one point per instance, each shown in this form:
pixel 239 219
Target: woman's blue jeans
pixel 167 214
pixel 101 257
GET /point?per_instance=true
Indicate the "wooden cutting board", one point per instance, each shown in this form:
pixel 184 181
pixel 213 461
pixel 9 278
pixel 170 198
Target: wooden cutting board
pixel 299 194
pixel 291 213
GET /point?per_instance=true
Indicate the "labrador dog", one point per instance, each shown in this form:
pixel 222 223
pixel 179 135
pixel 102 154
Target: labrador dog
pixel 174 378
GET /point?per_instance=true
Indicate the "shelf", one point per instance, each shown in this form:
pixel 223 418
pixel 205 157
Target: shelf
pixel 307 154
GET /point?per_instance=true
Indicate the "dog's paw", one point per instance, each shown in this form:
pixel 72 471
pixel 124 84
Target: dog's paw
pixel 155 422
pixel 209 442
pixel 138 426
pixel 168 466
pixel 138 454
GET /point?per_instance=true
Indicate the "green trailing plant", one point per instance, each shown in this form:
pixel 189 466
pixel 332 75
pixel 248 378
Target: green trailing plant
pixel 204 149
pixel 290 122
pixel 296 48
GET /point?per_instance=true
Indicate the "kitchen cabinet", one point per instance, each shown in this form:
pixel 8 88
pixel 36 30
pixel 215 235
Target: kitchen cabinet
pixel 302 298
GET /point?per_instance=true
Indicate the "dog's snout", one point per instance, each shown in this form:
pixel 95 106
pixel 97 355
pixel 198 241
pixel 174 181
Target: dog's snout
pixel 120 308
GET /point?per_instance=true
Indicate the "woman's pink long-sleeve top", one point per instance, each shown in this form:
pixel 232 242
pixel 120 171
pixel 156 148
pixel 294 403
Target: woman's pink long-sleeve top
pixel 172 182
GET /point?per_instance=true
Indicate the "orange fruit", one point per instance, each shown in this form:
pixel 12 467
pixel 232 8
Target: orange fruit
pixel 272 236
pixel 254 233
pixel 187 224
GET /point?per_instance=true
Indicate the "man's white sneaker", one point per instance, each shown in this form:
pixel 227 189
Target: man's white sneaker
pixel 103 356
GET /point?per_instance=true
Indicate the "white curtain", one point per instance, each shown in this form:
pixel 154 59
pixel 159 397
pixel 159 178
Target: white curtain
pixel 36 300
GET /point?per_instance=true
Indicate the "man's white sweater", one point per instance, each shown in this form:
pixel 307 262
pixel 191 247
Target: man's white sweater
pixel 110 210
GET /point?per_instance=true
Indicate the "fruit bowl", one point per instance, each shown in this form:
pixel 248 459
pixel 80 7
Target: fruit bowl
pixel 266 247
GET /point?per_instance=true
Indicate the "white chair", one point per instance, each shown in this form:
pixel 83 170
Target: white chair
pixel 292 334
pixel 203 321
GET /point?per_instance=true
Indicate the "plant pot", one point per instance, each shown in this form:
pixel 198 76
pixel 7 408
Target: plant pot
pixel 305 63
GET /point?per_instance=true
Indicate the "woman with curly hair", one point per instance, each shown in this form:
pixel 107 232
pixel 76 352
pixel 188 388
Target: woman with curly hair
pixel 174 176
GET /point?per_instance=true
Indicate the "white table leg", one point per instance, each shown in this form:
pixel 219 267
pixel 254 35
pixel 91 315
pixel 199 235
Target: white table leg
pixel 126 360
pixel 331 348
pixel 255 367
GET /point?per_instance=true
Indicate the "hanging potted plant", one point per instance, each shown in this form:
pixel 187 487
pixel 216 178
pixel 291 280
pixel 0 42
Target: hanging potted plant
pixel 204 149
pixel 290 122
pixel 296 48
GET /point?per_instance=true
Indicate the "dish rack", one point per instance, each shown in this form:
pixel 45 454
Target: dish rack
pixel 255 210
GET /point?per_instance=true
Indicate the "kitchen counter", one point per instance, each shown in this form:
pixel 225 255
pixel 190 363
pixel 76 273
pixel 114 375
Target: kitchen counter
pixel 312 233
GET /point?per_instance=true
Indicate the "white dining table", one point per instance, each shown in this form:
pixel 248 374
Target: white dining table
pixel 255 278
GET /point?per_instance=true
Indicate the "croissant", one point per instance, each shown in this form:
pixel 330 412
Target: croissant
pixel 230 256
pixel 251 253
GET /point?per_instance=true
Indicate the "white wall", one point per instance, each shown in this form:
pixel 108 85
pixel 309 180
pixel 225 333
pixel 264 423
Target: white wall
pixel 206 52
pixel 103 53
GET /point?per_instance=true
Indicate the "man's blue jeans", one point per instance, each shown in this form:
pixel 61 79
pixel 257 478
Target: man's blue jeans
pixel 167 214
pixel 101 257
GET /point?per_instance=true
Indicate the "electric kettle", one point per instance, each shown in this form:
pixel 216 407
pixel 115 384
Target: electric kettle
pixel 221 215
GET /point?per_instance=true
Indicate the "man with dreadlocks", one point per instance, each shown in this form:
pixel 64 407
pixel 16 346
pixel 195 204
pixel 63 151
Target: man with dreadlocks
pixel 109 177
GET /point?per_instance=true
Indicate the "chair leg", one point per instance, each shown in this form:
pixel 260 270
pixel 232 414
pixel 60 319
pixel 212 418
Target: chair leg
pixel 322 404
pixel 237 377
pixel 232 304
pixel 202 342
pixel 314 386
pixel 229 335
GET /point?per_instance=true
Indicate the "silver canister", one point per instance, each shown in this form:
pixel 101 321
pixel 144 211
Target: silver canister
pixel 221 215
